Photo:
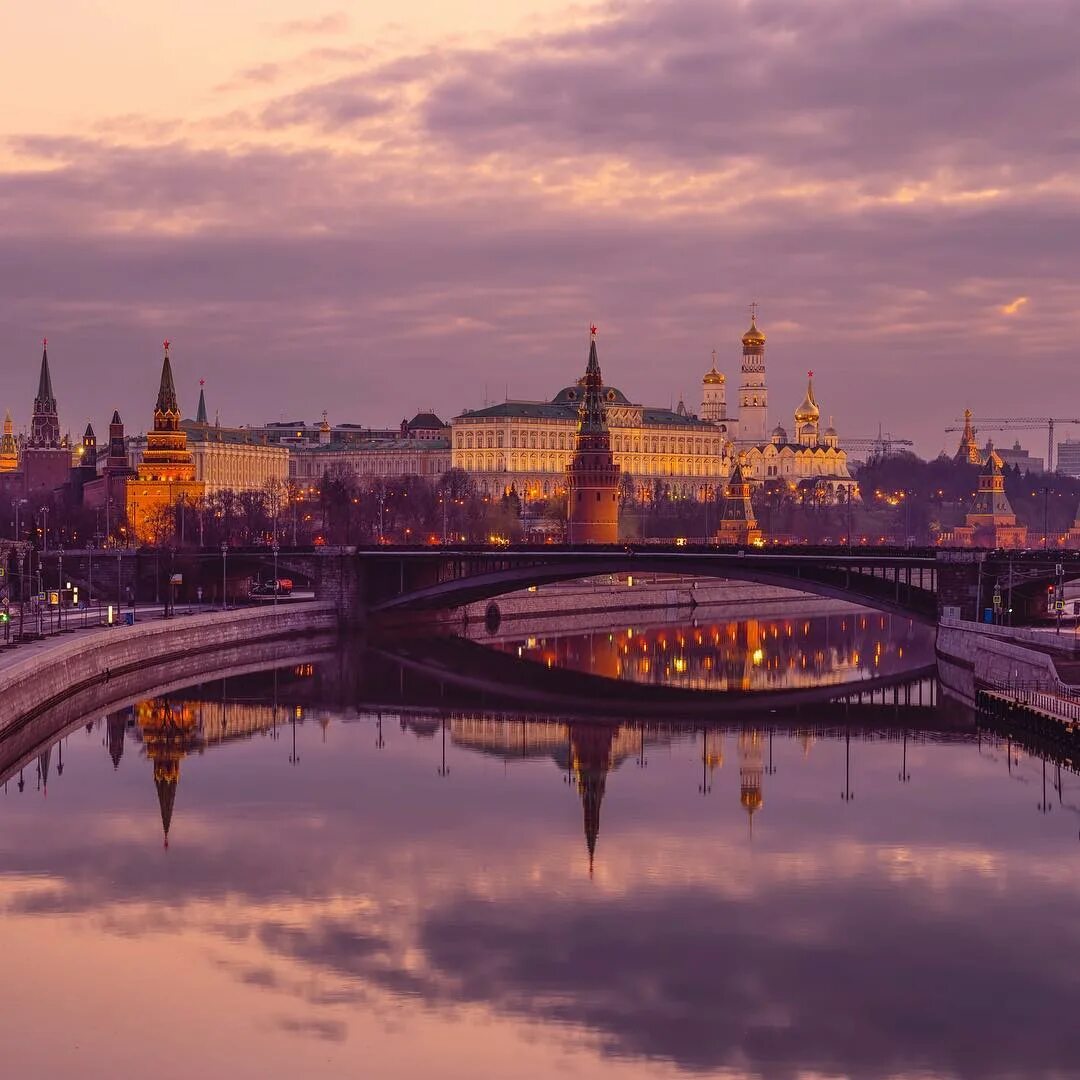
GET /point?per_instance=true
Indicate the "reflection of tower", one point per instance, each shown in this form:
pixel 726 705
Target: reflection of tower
pixel 43 770
pixel 116 725
pixel 751 771
pixel 590 759
pixel 712 758
pixel 169 733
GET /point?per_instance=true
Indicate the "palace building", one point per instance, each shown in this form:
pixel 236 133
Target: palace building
pixel 166 473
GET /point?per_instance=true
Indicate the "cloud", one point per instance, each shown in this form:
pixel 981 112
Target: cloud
pixel 334 22
pixel 1013 306
pixel 879 176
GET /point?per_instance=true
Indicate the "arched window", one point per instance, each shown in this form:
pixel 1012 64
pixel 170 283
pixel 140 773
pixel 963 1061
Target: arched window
pixel 468 441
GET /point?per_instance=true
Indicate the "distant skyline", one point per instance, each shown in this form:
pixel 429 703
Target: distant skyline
pixel 378 208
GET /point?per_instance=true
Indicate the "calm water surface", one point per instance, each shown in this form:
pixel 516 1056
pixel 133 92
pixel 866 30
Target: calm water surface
pixel 865 888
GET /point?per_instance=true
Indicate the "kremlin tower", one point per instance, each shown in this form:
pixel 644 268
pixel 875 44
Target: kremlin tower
pixel 44 424
pixel 990 522
pixel 753 393
pixel 167 471
pixel 46 459
pixel 592 476
pixel 738 525
pixel 968 450
pixel 9 448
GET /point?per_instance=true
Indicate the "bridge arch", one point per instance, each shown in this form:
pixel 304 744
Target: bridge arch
pixel 887 585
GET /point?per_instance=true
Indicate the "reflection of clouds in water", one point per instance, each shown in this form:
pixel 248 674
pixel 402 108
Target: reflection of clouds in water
pixel 704 975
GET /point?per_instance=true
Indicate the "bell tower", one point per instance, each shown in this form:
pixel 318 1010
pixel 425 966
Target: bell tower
pixel 753 393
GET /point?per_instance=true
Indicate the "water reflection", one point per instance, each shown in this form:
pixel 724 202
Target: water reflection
pixel 745 654
pixel 460 891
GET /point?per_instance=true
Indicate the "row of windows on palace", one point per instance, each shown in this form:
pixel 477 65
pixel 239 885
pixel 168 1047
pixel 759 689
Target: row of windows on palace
pixel 564 440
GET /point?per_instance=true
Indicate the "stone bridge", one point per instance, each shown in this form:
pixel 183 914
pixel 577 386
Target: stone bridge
pixel 367 582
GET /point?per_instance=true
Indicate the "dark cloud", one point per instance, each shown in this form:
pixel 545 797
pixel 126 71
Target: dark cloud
pixel 329 106
pixel 841 89
pixel 653 171
pixel 848 983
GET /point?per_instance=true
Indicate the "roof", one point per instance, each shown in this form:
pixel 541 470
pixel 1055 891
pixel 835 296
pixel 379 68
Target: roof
pixel 572 395
pixel 425 421
pixel 545 410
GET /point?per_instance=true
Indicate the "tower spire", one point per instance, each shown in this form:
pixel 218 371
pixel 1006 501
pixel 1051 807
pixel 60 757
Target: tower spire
pixel 200 415
pixel 45 424
pixel 166 399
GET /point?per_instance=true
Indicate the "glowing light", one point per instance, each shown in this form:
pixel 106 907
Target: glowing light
pixel 1013 306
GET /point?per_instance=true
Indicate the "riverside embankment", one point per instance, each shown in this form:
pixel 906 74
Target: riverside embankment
pixel 39 676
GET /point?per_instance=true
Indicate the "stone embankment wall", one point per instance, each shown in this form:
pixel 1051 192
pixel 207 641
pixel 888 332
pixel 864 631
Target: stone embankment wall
pixel 36 677
pixel 970 656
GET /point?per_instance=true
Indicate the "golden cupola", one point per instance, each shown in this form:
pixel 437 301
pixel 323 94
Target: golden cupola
pixel 714 377
pixel 753 336
pixel 808 412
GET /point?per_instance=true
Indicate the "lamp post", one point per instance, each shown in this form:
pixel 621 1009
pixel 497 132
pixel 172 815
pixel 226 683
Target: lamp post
pixel 275 547
pixel 60 589
pixel 18 530
pixel 224 580
pixel 44 528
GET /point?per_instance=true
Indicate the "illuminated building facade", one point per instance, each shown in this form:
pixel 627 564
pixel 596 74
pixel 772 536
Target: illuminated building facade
pixel 166 473
pixel 592 475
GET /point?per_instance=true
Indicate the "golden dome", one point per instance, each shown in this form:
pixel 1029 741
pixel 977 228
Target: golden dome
pixel 714 378
pixel 753 336
pixel 808 412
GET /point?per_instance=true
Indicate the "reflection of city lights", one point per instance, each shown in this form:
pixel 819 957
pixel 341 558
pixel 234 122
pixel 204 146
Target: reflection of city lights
pixel 758 657
pixel 680 664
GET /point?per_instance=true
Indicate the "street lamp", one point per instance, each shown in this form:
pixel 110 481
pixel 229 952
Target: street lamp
pixel 44 528
pixel 275 547
pixel 224 580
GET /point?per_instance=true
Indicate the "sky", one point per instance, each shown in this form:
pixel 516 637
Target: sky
pixel 378 208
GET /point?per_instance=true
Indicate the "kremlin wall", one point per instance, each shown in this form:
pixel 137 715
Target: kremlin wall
pixel 582 444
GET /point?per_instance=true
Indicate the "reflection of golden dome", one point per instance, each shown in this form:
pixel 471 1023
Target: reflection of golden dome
pixel 751 799
pixel 753 336
pixel 714 378
pixel 808 412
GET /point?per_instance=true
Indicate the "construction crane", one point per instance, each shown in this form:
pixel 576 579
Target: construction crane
pixel 1022 423
pixel 880 446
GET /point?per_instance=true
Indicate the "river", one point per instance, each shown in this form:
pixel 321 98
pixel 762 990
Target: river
pixel 715 846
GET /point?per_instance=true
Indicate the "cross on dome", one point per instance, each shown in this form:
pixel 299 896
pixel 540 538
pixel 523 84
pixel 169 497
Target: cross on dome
pixel 753 310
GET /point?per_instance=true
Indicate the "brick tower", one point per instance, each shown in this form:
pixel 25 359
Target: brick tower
pixel 592 476
pixel 167 470
pixel 738 525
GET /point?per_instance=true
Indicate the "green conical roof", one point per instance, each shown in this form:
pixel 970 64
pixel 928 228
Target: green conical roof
pixel 166 399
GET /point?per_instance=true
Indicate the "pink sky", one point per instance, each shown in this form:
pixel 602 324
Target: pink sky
pixel 377 208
